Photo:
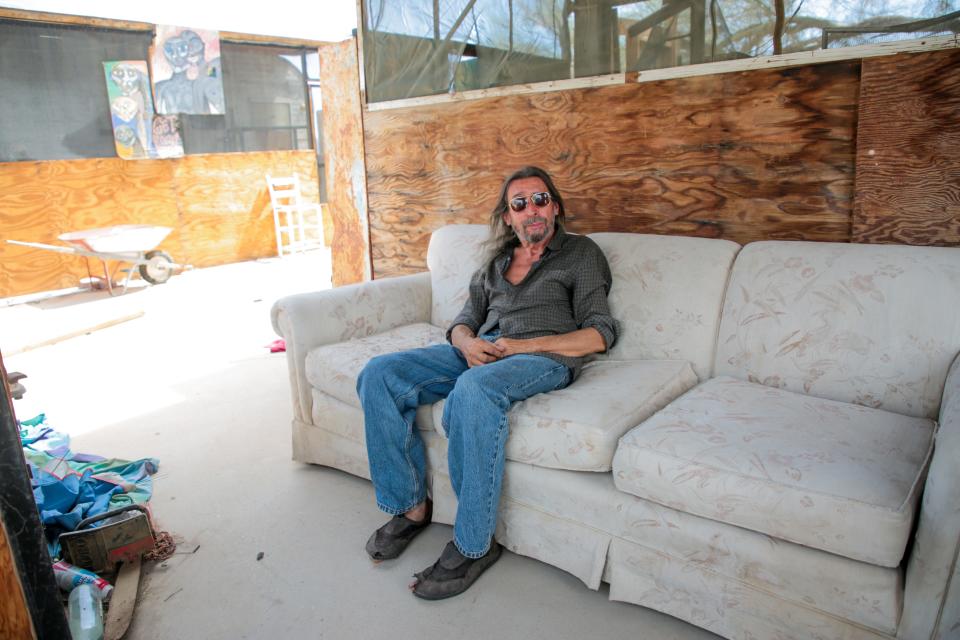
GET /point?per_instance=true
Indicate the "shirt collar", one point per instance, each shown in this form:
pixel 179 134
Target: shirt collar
pixel 556 243
pixel 559 237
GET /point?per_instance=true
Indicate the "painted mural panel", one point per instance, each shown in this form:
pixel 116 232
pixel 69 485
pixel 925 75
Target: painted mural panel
pixel 131 109
pixel 186 72
pixel 138 132
pixel 167 142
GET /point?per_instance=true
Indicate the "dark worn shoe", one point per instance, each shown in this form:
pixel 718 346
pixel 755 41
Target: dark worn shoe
pixel 453 573
pixel 391 539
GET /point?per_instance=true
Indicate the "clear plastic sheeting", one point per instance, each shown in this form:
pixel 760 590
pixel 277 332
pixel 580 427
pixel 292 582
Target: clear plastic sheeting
pixel 424 47
pixel 427 47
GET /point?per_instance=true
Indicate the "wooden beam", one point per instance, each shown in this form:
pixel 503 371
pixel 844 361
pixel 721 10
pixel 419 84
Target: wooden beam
pixel 147 27
pixel 698 30
pixel 658 16
pixel 85 21
pixel 516 89
pixel 595 40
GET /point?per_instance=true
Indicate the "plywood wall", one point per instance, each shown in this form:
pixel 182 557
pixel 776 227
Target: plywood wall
pixel 908 150
pixel 217 204
pixel 744 156
pixel 15 621
pixel 343 149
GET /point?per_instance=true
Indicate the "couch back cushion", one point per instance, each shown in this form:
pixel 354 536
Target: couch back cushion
pixel 876 325
pixel 667 293
pixel 455 252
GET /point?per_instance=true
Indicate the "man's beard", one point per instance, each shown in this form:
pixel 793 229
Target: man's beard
pixel 538 235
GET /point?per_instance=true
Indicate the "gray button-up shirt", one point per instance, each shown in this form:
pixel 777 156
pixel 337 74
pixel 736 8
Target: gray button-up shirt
pixel 565 290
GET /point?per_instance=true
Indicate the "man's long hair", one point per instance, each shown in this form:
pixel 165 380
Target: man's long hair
pixel 502 236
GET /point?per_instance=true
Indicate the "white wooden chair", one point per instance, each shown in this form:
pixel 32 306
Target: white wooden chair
pixel 298 224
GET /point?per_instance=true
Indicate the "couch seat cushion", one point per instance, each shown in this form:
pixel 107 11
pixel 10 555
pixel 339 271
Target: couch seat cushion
pixel 578 427
pixel 334 368
pixel 838 477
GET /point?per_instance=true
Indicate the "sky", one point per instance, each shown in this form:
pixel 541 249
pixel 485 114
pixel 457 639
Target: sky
pixel 326 20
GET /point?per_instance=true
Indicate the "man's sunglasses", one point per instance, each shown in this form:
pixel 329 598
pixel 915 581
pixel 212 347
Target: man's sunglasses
pixel 541 199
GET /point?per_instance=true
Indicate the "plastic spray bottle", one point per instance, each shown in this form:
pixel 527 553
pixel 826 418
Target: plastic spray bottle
pixel 86 613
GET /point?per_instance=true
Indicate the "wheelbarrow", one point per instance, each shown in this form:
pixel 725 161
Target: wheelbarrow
pixel 126 243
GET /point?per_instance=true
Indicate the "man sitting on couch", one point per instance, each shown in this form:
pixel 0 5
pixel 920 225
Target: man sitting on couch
pixel 535 310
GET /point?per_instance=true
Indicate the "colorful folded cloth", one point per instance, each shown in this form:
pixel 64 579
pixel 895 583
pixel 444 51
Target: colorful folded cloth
pixel 69 487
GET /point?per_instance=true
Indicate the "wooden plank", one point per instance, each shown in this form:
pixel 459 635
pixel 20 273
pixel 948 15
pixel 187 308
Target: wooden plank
pixel 62 18
pixel 123 601
pixel 748 156
pixel 15 622
pixel 133 25
pixel 217 204
pixel 499 92
pixel 344 151
pixel 908 150
pixel 76 332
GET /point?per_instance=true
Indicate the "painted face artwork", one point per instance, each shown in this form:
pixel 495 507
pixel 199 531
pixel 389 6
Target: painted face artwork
pixel 127 77
pixel 184 51
pixel 125 108
pixel 186 72
pixel 125 136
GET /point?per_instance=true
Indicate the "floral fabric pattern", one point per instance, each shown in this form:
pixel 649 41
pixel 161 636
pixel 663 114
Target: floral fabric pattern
pixel 812 471
pixel 680 549
pixel 933 573
pixel 858 323
pixel 775 499
pixel 578 427
pixel 334 368
pixel 667 293
pixel 309 320
pixel 455 252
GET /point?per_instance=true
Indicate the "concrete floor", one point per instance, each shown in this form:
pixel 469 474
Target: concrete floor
pixel 186 378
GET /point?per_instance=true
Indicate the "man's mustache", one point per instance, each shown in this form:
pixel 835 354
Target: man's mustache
pixel 534 220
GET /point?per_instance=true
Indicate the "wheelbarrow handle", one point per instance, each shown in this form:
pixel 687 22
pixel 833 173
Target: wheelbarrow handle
pixel 109 514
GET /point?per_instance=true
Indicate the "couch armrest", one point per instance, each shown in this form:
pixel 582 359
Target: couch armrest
pixel 309 320
pixel 931 603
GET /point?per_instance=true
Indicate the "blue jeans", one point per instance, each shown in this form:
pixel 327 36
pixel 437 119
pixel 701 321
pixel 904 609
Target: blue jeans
pixel 391 387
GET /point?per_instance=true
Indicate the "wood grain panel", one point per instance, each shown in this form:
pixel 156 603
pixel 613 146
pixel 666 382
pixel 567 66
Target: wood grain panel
pixel 343 149
pixel 41 200
pixel 15 622
pixel 217 204
pixel 908 175
pixel 225 212
pixel 745 156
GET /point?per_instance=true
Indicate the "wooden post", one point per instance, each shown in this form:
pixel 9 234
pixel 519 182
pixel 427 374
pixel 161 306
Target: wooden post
pixel 698 19
pixel 30 606
pixel 345 168
pixel 596 50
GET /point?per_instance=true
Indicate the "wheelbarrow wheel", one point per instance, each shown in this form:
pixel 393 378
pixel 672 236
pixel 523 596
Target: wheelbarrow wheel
pixel 157 270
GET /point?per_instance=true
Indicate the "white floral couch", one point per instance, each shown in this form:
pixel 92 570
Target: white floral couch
pixel 770 450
